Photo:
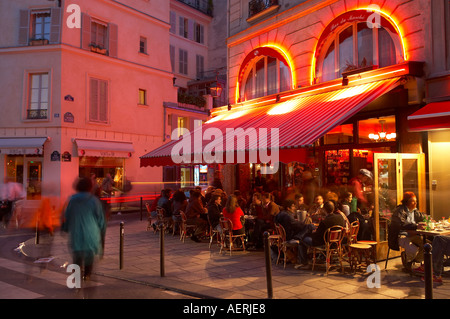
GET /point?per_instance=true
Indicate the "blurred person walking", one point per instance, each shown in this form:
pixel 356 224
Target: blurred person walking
pixel 85 222
pixel 10 192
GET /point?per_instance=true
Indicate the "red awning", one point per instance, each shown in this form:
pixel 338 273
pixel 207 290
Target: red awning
pixel 433 116
pixel 299 122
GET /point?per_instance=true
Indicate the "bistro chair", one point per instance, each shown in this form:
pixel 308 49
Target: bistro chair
pixel 352 238
pixel 228 237
pixel 185 227
pixel 285 245
pixel 276 240
pixel 213 233
pixel 332 248
pixel 149 216
pixel 162 219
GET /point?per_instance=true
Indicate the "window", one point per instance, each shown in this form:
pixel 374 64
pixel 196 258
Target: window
pixel 173 19
pixel 184 27
pixel 199 33
pixel 98 34
pixel 267 75
pixel 339 135
pixel 98 100
pixel 143 45
pixel 142 97
pixel 381 129
pixel 40 25
pixel 99 37
pixel 183 62
pixel 356 45
pixel 182 123
pixel 172 57
pixel 200 60
pixel 38 96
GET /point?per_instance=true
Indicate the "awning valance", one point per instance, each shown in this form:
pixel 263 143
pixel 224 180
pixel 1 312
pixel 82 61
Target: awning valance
pixel 433 116
pixel 22 145
pixel 297 122
pixel 98 148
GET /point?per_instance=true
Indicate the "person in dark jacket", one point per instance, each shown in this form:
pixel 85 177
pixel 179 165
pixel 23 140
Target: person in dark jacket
pixel 405 219
pixel 316 238
pixel 215 211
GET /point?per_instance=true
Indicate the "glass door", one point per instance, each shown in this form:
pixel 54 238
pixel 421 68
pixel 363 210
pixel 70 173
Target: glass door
pixel 394 174
pixel 34 178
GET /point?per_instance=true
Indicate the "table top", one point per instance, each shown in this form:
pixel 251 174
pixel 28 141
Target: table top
pixel 443 232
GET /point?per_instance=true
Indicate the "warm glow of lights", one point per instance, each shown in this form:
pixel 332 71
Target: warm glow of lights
pixel 235 115
pixel 386 16
pixel 215 119
pixel 283 108
pixel 352 91
pixel 286 56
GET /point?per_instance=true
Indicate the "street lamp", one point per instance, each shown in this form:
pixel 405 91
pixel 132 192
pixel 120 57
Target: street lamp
pixel 215 89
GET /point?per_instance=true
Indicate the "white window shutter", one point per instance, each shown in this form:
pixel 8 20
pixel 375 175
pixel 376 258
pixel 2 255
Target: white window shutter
pixel 55 26
pixel 24 27
pixel 113 39
pixel 85 31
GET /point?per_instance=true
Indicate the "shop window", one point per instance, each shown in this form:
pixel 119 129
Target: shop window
pixel 340 135
pixel 378 130
pixel 185 178
pixel 355 45
pixel 267 75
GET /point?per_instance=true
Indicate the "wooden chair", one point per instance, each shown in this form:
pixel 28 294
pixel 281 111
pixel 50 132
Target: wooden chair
pixel 333 238
pixel 359 250
pixel 213 233
pixel 352 238
pixel 276 240
pixel 184 227
pixel 149 216
pixel 228 237
pixel 285 245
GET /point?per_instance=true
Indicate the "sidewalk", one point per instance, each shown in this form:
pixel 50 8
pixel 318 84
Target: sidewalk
pixel 192 268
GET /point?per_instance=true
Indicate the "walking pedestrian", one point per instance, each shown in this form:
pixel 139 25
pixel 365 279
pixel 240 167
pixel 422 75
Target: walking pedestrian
pixel 85 222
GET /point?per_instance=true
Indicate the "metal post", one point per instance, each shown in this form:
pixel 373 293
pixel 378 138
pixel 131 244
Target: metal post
pixel 428 271
pixel 141 208
pixel 268 266
pixel 121 245
pixel 161 245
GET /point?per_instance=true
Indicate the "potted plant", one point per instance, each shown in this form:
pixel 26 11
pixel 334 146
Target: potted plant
pixel 97 48
pixel 38 41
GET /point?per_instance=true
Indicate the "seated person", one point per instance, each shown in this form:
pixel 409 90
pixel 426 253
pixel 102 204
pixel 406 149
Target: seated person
pixel 215 211
pixel 404 222
pixel 441 248
pixel 233 212
pixel 194 213
pixel 316 211
pixel 316 238
pixel 264 222
pixel 286 219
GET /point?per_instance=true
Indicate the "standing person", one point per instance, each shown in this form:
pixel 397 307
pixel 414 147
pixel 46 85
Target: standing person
pixel 84 220
pixel 233 212
pixel 10 193
pixel 357 185
pixel 317 211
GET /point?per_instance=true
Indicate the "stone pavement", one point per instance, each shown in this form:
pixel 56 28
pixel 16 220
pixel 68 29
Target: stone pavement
pixel 194 269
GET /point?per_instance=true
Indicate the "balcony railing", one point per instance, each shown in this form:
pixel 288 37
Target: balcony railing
pixel 258 6
pixel 203 6
pixel 37 114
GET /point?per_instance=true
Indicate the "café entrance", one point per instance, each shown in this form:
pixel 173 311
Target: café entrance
pixel 394 174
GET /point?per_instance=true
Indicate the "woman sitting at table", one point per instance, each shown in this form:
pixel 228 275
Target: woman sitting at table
pixel 196 215
pixel 404 221
pixel 233 212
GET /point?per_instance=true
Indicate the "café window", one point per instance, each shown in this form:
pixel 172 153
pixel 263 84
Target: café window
pixel 265 76
pixel 357 45
pixel 381 129
pixel 341 134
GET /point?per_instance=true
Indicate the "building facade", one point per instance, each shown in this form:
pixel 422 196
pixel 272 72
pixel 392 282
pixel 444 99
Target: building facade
pixel 87 84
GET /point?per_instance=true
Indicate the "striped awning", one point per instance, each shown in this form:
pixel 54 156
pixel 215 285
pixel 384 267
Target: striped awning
pixel 299 121
pixel 433 116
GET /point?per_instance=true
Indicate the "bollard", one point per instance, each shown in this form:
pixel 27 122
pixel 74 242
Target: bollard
pixel 121 245
pixel 161 249
pixel 268 266
pixel 428 271
pixel 141 208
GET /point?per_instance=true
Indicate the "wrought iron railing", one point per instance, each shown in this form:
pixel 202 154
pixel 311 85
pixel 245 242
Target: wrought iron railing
pixel 257 6
pixel 205 6
pixel 37 114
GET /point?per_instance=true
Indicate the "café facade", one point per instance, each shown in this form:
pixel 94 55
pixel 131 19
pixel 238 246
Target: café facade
pixel 337 83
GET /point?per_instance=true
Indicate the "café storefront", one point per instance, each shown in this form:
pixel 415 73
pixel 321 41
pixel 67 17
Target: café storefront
pixel 351 115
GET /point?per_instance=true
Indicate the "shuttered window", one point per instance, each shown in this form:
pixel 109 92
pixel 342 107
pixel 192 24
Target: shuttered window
pixel 98 100
pixel 183 61
pixel 38 96
pixel 44 25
